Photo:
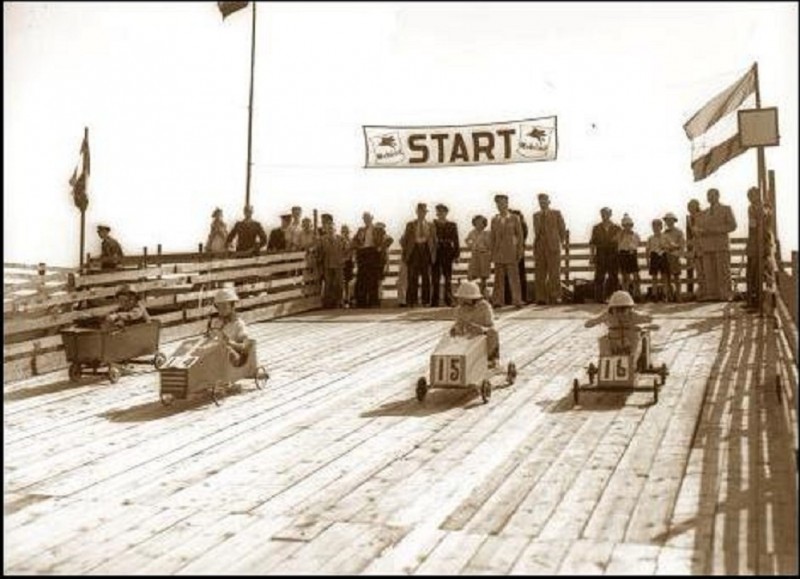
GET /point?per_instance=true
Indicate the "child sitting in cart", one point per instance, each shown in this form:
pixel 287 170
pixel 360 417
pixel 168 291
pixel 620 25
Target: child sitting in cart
pixel 623 326
pixel 229 327
pixel 130 311
pixel 474 318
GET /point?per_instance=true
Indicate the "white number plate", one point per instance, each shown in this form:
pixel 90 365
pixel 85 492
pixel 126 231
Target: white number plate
pixel 615 369
pixel 448 370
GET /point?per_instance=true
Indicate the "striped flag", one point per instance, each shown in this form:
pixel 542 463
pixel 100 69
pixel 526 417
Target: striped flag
pixel 228 8
pixel 80 175
pixel 714 129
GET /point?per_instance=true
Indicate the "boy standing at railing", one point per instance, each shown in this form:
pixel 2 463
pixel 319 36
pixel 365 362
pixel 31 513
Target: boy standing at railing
pixel 657 258
pixel 628 260
pixel 674 244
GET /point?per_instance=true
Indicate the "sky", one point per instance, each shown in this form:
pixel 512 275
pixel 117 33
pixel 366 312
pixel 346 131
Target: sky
pixel 163 89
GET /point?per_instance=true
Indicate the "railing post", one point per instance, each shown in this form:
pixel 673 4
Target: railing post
pixel 144 255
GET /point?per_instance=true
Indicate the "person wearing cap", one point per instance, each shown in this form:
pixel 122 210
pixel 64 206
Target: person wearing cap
pixel 110 249
pixel 218 236
pixel 479 241
pixel 507 249
pixel 419 245
pixel 248 233
pixel 674 245
pixel 279 237
pixel 129 310
pixel 523 278
pixel 603 247
pixel 755 227
pixel 623 322
pixel 368 243
pixel 228 326
pixel 658 267
pixel 628 249
pixel 694 249
pixel 448 250
pixel 348 268
pixel 330 255
pixel 549 235
pixel 718 224
pixel 474 317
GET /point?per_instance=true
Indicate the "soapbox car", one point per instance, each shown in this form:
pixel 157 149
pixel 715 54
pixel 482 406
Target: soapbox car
pixel 203 364
pixel 462 362
pixel 88 347
pixel 626 371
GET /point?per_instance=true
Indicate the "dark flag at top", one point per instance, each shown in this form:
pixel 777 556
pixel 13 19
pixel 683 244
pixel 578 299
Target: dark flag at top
pixel 228 8
pixel 80 176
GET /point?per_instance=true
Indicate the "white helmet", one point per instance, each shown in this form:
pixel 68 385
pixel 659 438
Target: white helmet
pixel 620 299
pixel 227 294
pixel 469 290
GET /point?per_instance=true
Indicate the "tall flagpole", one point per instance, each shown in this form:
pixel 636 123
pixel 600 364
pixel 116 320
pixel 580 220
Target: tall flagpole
pixel 250 109
pixel 86 195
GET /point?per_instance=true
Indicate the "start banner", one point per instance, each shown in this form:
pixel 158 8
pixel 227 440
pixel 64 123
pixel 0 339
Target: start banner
pixel 523 141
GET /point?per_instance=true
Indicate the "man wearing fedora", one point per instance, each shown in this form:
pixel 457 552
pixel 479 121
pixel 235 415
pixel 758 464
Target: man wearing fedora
pixel 419 252
pixel 129 310
pixel 507 249
pixel 549 235
pixel 447 251
pixel 228 326
pixel 110 249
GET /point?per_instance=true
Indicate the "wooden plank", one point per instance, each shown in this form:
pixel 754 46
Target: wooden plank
pixel 541 557
pixel 119 276
pixel 451 554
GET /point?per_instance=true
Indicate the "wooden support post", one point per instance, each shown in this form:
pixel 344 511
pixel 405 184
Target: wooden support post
pixel 144 255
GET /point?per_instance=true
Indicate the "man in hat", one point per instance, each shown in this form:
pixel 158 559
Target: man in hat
pixel 674 245
pixel 249 234
pixel 129 310
pixel 694 249
pixel 523 279
pixel 368 243
pixel 717 223
pixel 110 249
pixel 330 255
pixel 229 327
pixel 294 241
pixel 603 248
pixel 279 238
pixel 549 235
pixel 419 246
pixel 507 249
pixel 755 227
pixel 447 251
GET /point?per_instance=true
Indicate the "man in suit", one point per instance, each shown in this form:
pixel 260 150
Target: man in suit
pixel 603 248
pixel 248 233
pixel 447 251
pixel 549 234
pixel 110 249
pixel 717 223
pixel 279 237
pixel 523 281
pixel 368 243
pixel 507 248
pixel 419 246
pixel 330 255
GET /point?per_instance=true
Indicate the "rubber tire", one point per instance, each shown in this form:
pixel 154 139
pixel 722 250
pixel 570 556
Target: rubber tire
pixel 422 389
pixel 511 374
pixel 114 374
pixel 159 360
pixel 575 391
pixel 486 391
pixel 75 372
pixel 166 399
pixel 655 392
pixel 261 377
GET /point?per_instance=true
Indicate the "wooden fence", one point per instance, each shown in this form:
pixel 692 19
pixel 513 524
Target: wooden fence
pixel 36 305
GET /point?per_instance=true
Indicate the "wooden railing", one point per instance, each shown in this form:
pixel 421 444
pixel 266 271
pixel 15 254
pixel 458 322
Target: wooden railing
pixel 784 346
pixel 179 295
pixel 574 266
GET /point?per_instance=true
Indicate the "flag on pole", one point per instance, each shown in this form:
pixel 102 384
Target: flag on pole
pixel 80 176
pixel 228 8
pixel 714 129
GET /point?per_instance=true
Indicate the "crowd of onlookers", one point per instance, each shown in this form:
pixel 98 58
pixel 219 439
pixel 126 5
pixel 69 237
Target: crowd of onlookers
pixel 352 267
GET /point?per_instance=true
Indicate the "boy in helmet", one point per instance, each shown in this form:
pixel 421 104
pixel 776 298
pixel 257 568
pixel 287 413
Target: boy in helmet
pixel 474 318
pixel 130 311
pixel 229 327
pixel 623 326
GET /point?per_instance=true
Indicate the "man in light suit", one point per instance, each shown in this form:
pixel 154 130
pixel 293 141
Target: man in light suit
pixel 419 252
pixel 549 234
pixel 507 248
pixel 717 223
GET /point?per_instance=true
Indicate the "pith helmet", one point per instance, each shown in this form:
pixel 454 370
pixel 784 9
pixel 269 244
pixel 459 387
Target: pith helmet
pixel 620 299
pixel 226 294
pixel 468 290
pixel 670 216
pixel 626 220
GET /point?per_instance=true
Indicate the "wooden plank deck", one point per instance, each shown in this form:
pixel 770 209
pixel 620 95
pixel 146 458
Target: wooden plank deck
pixel 336 468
